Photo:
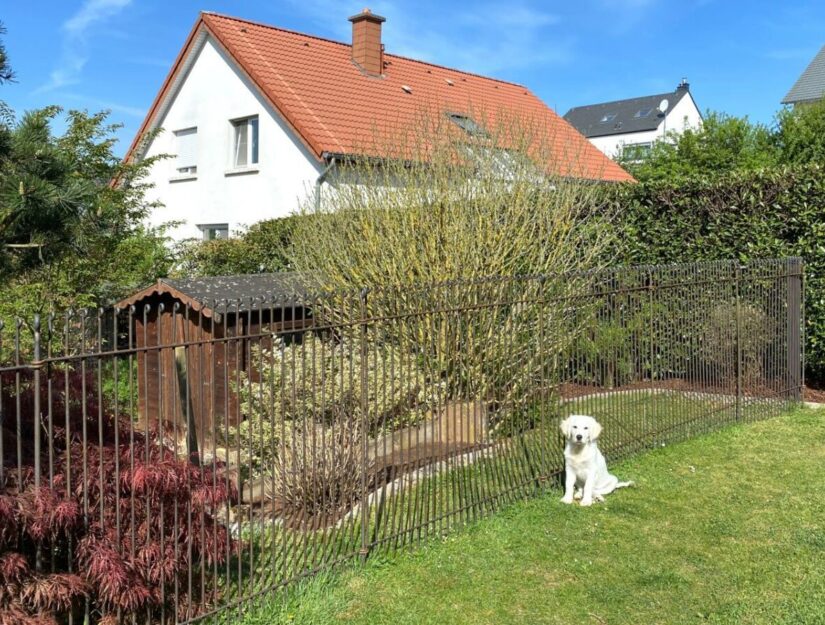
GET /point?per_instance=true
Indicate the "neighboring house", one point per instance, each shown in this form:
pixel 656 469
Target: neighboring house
pixel 810 86
pixel 634 124
pixel 259 118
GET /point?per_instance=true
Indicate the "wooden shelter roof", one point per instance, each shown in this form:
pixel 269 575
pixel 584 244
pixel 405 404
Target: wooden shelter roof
pixel 237 293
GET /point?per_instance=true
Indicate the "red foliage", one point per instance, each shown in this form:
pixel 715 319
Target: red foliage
pixel 149 514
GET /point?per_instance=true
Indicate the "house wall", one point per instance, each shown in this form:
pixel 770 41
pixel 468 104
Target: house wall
pixel 213 93
pixel 684 115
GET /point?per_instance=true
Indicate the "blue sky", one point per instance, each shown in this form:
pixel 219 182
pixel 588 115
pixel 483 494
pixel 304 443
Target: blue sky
pixel 739 56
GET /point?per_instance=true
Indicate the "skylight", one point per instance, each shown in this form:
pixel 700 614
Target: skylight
pixel 643 113
pixel 468 124
pixel 607 118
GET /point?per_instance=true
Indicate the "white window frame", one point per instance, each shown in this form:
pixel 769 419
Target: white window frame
pixel 642 149
pixel 214 232
pixel 251 156
pixel 186 161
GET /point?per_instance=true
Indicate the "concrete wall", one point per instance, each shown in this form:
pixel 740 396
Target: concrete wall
pixel 684 115
pixel 212 94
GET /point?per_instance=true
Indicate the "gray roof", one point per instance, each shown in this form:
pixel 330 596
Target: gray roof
pixel 283 288
pixel 620 117
pixel 811 84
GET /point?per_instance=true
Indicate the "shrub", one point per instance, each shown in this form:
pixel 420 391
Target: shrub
pixel 719 340
pixel 114 525
pixel 317 383
pixel 261 248
pixel 446 205
pixel 318 468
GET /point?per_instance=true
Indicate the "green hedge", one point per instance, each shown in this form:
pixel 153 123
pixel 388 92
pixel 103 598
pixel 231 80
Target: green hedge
pixel 772 212
pixel 263 247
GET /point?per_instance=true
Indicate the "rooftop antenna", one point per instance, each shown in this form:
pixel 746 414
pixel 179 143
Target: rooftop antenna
pixel 663 106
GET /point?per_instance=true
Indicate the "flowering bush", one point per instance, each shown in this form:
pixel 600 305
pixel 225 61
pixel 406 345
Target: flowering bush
pixel 149 516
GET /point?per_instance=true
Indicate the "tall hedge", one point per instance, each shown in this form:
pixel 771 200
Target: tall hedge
pixel 778 211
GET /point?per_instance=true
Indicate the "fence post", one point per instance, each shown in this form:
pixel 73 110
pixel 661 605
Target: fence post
pixel 36 415
pixel 736 276
pixel 543 469
pixel 36 424
pixel 365 509
pixel 651 351
pixel 795 363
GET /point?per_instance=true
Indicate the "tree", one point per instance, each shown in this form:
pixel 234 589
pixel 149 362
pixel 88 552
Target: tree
pixel 723 143
pixel 69 237
pixel 6 72
pixel 800 133
pixel 6 75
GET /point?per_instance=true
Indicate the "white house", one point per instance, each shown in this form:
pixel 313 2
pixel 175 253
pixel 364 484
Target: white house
pixel 258 119
pixel 634 124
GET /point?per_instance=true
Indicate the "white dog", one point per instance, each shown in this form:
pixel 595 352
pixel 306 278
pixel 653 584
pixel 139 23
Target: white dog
pixel 585 468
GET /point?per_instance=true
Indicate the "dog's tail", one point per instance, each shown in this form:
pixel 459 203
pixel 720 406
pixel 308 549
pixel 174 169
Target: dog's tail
pixel 625 484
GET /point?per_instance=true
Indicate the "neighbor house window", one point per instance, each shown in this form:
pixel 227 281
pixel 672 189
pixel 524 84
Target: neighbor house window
pixel 187 149
pixel 636 151
pixel 211 232
pixel 245 142
pixel 607 118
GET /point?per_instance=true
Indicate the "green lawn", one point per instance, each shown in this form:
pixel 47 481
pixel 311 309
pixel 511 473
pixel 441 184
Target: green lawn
pixel 726 528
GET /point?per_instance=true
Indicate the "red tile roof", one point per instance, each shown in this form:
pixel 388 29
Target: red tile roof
pixel 336 109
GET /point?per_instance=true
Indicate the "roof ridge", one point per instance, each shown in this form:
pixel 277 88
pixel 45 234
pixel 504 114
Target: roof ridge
pixel 641 97
pixel 273 27
pixel 342 43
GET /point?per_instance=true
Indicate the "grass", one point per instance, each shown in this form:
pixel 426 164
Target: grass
pixel 725 528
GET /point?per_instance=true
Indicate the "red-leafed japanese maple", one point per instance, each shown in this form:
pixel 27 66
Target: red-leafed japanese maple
pixel 119 524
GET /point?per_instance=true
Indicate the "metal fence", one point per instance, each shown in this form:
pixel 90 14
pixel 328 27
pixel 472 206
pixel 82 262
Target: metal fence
pixel 172 463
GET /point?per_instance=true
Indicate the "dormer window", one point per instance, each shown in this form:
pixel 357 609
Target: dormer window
pixel 468 125
pixel 244 142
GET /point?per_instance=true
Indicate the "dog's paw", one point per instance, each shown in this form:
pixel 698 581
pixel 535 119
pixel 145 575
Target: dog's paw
pixel 566 499
pixel 587 502
pixel 598 498
pixel 578 495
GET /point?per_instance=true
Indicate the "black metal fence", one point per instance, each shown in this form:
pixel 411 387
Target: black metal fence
pixel 171 462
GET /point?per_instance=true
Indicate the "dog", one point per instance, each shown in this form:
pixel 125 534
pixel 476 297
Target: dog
pixel 585 468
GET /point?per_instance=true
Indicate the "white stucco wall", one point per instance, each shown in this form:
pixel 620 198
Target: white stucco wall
pixel 212 94
pixel 684 115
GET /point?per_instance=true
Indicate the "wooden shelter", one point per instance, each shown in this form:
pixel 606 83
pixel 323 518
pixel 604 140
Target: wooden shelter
pixel 193 340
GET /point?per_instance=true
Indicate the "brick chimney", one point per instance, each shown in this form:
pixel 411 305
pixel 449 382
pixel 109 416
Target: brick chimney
pixel 367 49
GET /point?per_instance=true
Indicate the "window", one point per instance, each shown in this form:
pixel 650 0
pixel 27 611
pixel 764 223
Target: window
pixel 643 113
pixel 245 142
pixel 212 232
pixel 468 124
pixel 607 118
pixel 636 151
pixel 187 148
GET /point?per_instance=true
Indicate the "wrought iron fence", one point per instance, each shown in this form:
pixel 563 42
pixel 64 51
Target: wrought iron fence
pixel 174 461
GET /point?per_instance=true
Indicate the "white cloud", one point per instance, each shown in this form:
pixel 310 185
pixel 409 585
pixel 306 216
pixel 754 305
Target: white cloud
pixel 76 32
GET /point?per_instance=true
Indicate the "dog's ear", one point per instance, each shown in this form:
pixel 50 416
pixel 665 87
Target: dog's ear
pixel 564 426
pixel 595 430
